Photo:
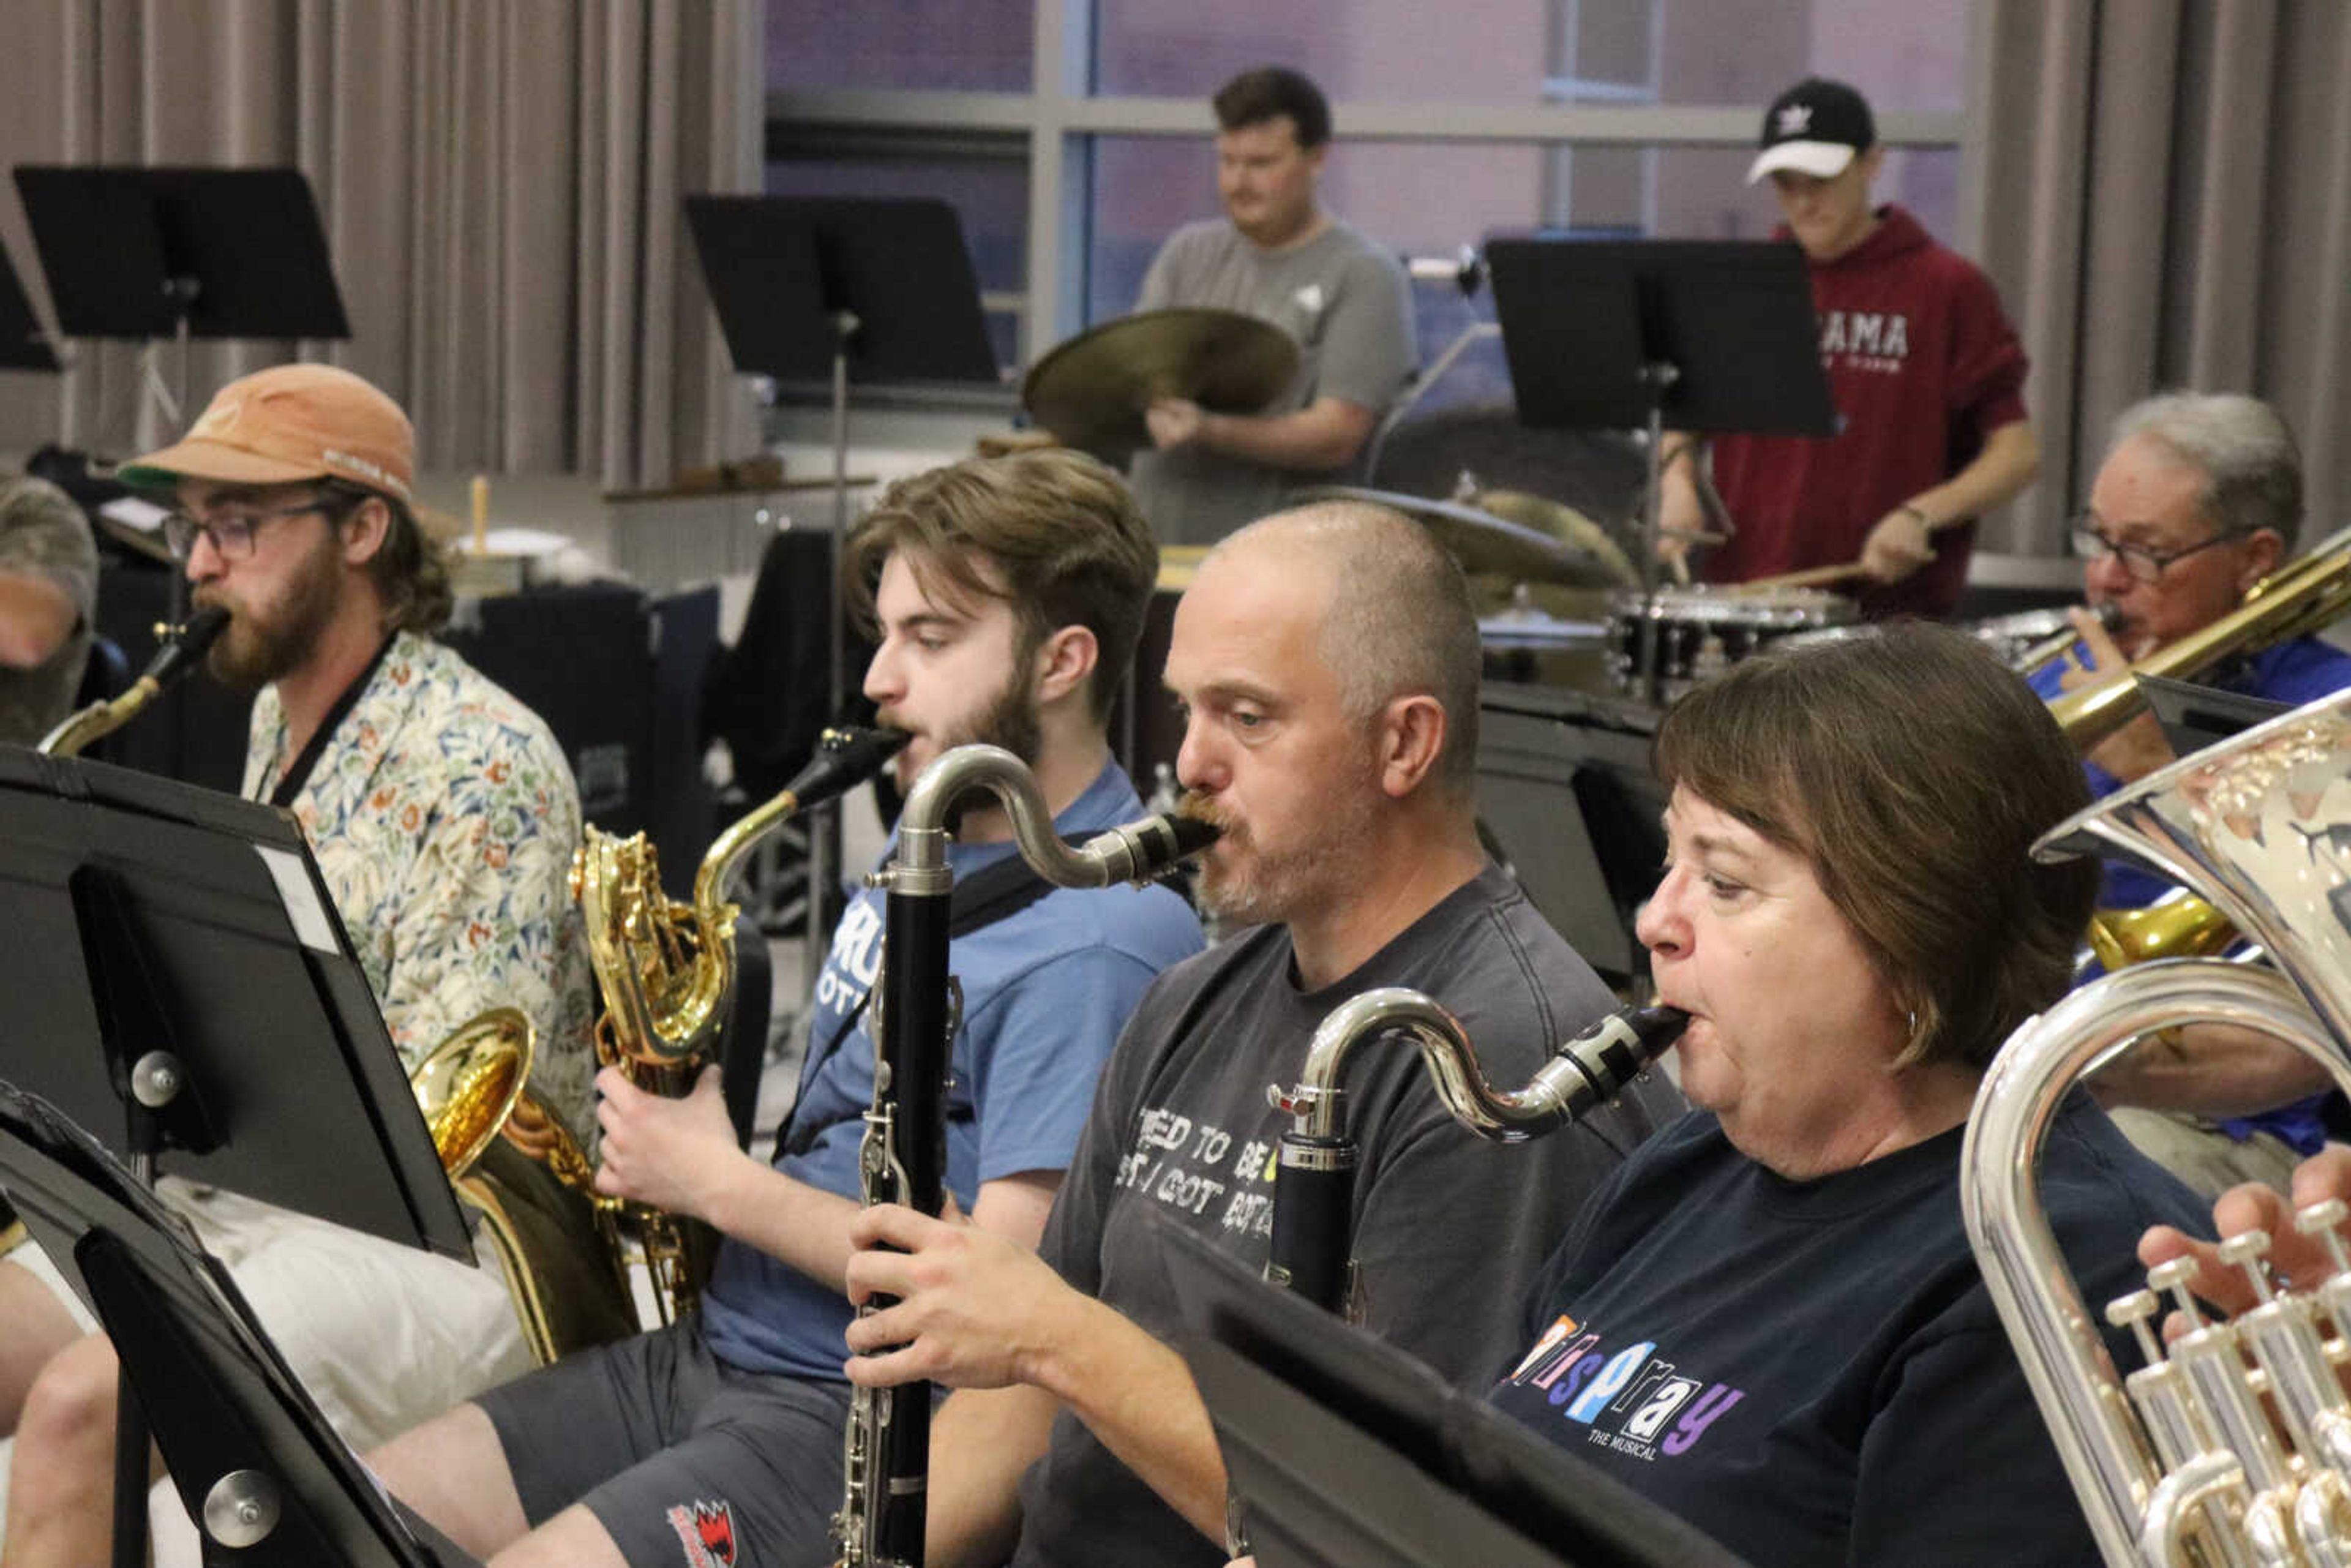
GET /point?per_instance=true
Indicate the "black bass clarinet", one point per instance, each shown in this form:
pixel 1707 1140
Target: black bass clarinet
pixel 885 1451
pixel 182 650
pixel 1312 1249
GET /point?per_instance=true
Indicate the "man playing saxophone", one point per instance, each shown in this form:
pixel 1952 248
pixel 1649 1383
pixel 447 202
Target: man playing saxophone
pixel 442 815
pixel 1329 661
pixel 2199 497
pixel 1006 594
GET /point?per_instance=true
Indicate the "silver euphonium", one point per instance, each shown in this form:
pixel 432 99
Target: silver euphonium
pixel 2182 1462
pixel 886 1448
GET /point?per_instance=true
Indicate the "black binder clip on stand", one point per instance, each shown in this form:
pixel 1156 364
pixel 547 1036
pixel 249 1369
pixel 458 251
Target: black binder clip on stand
pixel 216 1014
pixel 871 290
pixel 1694 335
pixel 251 1455
pixel 179 254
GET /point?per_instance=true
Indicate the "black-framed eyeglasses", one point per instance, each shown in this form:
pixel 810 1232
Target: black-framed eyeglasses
pixel 2143 564
pixel 231 530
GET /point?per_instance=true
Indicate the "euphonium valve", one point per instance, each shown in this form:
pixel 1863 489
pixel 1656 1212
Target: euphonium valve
pixel 182 649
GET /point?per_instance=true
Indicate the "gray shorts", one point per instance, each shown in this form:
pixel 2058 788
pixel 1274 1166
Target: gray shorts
pixel 681 1459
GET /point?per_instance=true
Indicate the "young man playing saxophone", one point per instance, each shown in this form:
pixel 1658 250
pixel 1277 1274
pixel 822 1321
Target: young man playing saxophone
pixel 442 815
pixel 1328 658
pixel 1007 595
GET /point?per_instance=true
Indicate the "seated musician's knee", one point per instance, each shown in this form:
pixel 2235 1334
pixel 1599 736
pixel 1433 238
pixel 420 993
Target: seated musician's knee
pixel 74 1395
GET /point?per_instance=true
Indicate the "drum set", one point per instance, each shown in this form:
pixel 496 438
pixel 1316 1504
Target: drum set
pixel 1562 602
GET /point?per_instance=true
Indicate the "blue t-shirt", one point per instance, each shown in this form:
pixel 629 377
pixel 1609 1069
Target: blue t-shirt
pixel 2301 670
pixel 1045 993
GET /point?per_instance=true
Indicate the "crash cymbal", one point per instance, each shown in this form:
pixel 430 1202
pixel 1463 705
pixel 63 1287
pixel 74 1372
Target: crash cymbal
pixel 1092 391
pixel 1564 523
pixel 1484 544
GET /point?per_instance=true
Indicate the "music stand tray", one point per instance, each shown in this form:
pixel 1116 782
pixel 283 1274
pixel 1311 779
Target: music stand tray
pixel 148 916
pixel 782 269
pixel 1582 319
pixel 136 252
pixel 257 1464
pixel 2194 716
pixel 1345 1452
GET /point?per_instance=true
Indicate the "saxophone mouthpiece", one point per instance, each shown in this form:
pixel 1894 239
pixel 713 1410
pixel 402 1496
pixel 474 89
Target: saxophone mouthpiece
pixel 846 755
pixel 185 645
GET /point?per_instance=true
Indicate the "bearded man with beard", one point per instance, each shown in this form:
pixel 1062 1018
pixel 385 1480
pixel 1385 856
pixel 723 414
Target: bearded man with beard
pixel 442 815
pixel 1328 660
pixel 1006 595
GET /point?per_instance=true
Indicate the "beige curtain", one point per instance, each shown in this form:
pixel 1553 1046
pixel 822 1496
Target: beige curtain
pixel 501 188
pixel 2168 204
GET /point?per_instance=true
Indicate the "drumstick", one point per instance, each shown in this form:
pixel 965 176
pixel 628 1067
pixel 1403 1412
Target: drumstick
pixel 1810 577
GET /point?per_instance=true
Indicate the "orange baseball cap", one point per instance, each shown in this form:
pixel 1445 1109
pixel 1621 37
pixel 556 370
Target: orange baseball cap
pixel 285 423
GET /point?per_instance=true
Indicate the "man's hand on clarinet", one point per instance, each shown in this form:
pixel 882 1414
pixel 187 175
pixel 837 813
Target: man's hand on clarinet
pixel 973 1310
pixel 1898 546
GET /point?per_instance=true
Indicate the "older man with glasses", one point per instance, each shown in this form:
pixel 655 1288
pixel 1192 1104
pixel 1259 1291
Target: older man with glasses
pixel 443 816
pixel 2199 499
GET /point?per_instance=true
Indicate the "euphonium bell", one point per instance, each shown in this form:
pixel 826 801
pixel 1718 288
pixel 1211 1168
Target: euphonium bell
pixel 2185 1463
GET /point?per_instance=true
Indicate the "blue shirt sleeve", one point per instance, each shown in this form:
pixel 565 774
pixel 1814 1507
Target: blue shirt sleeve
pixel 1039 1049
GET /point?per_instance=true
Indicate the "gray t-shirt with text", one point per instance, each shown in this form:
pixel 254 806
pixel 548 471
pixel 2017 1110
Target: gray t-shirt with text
pixel 1346 303
pixel 1449 1230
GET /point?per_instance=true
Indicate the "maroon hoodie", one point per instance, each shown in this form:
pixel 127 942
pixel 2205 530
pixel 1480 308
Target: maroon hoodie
pixel 1922 366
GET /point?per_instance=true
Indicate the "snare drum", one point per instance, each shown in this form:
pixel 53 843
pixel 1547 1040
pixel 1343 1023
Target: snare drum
pixel 1703 630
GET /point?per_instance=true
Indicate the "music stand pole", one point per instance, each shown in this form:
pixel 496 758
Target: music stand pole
pixel 1657 378
pixel 824 832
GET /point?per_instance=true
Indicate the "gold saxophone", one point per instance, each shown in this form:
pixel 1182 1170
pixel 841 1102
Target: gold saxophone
pixel 2305 596
pixel 552 1246
pixel 666 970
pixel 2233 1444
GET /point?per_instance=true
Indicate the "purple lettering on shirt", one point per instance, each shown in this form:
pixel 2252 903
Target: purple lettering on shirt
pixel 1718 1399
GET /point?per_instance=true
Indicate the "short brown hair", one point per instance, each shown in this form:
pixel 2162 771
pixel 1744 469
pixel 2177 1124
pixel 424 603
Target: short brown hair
pixel 1268 93
pixel 1914 773
pixel 1058 532
pixel 409 571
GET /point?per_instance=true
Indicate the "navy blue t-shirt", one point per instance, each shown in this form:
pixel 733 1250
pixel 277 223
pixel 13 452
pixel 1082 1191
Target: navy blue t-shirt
pixel 1045 990
pixel 1812 1372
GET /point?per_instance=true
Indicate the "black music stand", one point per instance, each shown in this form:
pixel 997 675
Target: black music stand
pixel 153 254
pixel 2194 716
pixel 22 345
pixel 1695 335
pixel 180 981
pixel 866 289
pixel 257 1465
pixel 1345 1452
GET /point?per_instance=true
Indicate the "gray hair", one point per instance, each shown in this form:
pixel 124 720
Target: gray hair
pixel 1400 621
pixel 2251 467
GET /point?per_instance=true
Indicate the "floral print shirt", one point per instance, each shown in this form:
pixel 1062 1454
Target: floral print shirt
pixel 444 817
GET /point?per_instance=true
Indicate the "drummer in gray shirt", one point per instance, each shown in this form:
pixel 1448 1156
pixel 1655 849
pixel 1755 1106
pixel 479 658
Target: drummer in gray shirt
pixel 1278 256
